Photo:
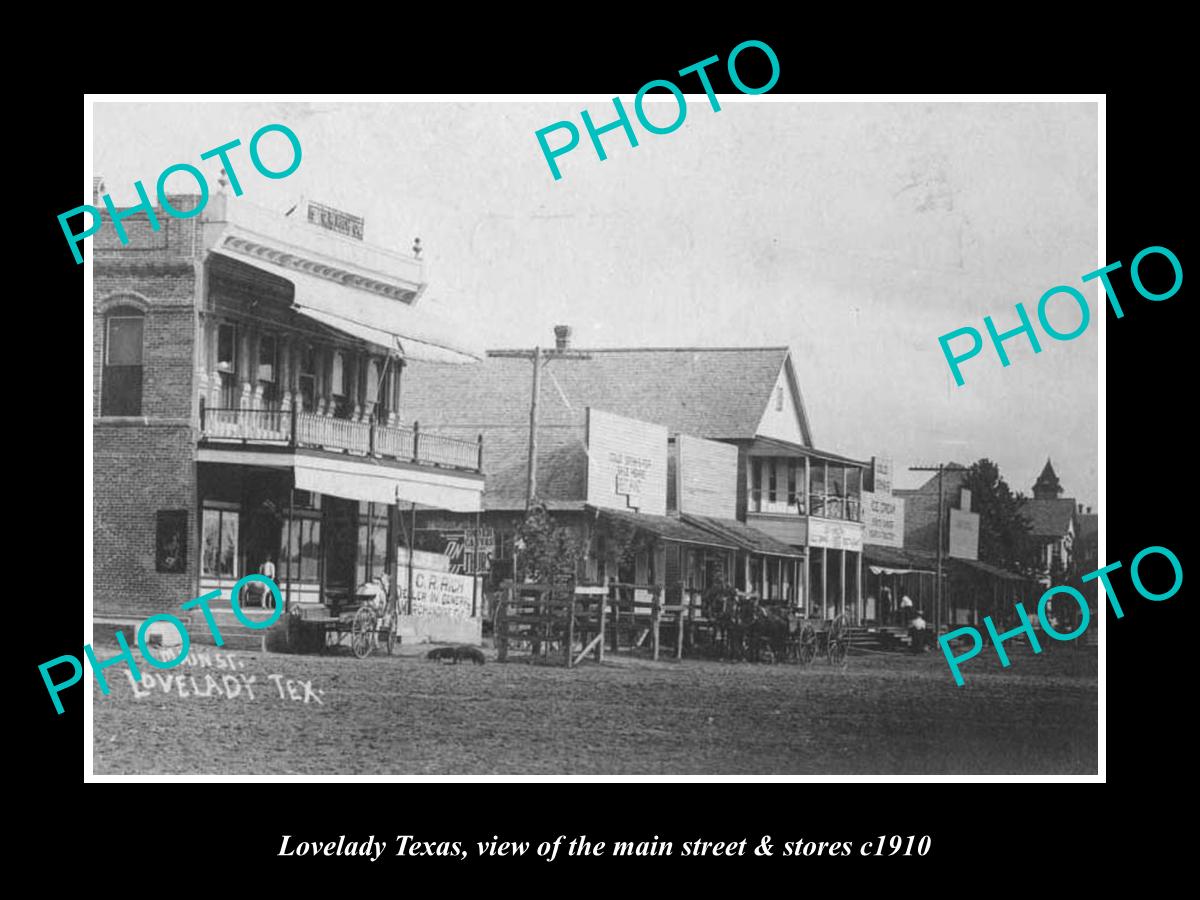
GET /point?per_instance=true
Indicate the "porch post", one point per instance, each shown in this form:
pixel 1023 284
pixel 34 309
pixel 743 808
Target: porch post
pixel 283 378
pixel 287 601
pixel 824 583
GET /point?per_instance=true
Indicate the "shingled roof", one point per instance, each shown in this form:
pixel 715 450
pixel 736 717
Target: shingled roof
pixel 1048 518
pixel 713 393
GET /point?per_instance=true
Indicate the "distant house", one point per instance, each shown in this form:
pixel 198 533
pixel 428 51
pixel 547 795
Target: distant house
pixel 1053 525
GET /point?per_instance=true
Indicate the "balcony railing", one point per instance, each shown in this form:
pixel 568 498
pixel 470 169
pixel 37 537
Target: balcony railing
pixel 784 502
pixel 301 429
pixel 829 506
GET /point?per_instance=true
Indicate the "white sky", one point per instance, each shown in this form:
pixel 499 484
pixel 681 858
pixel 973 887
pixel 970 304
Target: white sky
pixel 854 233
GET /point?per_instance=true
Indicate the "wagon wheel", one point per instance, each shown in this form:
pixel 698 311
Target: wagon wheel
pixel 807 648
pixel 362 633
pixel 838 642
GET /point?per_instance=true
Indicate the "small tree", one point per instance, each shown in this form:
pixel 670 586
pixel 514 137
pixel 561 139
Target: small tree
pixel 545 552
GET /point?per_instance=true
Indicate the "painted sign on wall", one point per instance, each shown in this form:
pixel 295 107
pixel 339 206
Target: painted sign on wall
pixel 335 220
pixel 883 519
pixel 964 534
pixel 627 463
pixel 706 477
pixel 881 474
pixel 437 593
pixel 835 535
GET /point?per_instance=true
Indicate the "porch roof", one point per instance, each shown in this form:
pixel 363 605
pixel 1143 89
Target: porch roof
pixel 667 527
pixel 356 478
pixel 744 536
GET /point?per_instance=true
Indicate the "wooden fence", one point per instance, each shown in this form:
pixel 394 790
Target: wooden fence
pixel 572 622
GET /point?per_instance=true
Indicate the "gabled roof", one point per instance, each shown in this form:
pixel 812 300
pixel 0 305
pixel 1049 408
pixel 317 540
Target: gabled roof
pixel 1049 518
pixel 562 462
pixel 711 393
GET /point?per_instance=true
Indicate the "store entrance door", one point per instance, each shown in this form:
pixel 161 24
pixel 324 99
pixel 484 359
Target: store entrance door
pixel 341 534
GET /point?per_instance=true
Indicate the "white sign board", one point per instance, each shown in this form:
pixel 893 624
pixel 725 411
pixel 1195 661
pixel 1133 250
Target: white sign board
pixel 964 534
pixel 883 519
pixel 835 535
pixel 707 474
pixel 437 593
pixel 627 463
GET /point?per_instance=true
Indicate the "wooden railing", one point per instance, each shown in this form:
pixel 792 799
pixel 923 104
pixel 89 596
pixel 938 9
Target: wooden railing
pixel 302 429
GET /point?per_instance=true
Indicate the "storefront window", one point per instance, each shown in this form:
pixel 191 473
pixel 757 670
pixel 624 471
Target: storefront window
pixel 219 558
pixel 371 558
pixel 305 551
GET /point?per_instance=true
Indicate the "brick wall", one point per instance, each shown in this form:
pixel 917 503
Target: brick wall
pixel 920 511
pixel 146 463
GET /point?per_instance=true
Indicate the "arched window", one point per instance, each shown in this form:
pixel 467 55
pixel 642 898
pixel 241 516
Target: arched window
pixel 121 384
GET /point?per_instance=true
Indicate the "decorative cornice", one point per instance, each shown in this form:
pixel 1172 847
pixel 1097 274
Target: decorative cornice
pixel 251 251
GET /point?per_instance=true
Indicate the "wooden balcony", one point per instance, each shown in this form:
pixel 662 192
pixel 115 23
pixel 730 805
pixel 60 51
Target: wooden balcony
pixel 301 429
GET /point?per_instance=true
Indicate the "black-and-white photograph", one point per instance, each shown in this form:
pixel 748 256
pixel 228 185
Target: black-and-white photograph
pixel 470 437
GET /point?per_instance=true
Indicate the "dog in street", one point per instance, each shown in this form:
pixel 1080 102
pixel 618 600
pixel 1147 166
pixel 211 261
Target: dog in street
pixel 457 654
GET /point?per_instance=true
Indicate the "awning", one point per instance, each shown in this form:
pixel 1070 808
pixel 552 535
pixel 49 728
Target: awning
pixel 743 536
pixel 987 569
pixel 668 528
pixel 370 317
pixel 883 570
pixel 883 560
pixel 387 484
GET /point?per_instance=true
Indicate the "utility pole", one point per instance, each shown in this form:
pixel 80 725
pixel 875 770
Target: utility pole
pixel 937 588
pixel 540 358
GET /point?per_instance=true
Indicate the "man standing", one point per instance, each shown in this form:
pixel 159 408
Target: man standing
pixel 906 609
pixel 918 632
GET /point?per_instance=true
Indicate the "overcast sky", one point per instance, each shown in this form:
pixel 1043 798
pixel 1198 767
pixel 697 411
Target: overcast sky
pixel 854 233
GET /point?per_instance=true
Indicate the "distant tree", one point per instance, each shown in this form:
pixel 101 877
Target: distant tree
pixel 1003 530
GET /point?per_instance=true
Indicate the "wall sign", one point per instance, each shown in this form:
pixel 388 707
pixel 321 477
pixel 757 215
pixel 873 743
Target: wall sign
pixel 335 220
pixel 835 535
pixel 627 463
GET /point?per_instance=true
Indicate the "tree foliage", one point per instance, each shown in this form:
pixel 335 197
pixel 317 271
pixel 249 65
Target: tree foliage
pixel 546 552
pixel 1003 530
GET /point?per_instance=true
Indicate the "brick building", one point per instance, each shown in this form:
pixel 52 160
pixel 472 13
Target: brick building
pixel 248 406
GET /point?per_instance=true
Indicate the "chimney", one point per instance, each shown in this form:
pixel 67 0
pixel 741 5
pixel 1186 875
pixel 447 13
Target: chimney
pixel 1081 509
pixel 1089 510
pixel 562 337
